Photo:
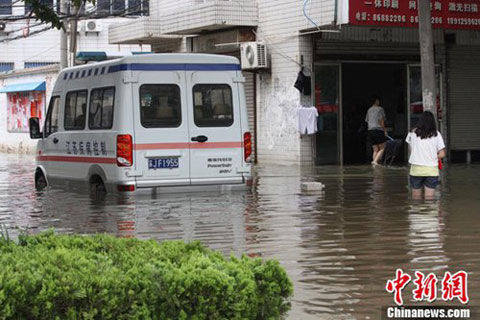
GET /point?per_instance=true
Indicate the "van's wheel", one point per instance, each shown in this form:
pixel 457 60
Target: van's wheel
pixel 97 185
pixel 40 181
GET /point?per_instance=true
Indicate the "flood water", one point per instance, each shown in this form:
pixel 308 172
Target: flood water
pixel 339 246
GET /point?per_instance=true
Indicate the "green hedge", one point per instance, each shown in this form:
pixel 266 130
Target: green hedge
pixel 50 276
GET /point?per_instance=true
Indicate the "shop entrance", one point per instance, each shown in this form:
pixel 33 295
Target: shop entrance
pixel 343 94
pixel 361 82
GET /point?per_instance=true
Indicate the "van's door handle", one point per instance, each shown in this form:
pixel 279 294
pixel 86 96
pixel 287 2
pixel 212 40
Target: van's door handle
pixel 200 138
pixel 55 140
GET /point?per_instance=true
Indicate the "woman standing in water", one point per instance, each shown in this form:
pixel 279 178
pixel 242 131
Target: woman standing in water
pixel 376 130
pixel 427 147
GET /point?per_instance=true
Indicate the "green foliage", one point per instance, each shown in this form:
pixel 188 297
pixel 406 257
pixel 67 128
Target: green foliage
pixel 44 13
pixel 50 276
pixel 47 14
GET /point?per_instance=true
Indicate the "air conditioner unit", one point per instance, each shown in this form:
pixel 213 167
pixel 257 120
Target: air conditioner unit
pixel 3 26
pixel 93 26
pixel 253 55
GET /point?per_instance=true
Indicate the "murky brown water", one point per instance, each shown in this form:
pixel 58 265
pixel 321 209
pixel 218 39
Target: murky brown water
pixel 339 246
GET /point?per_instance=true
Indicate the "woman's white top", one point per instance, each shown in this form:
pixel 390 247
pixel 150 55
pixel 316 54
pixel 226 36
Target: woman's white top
pixel 424 152
pixel 373 117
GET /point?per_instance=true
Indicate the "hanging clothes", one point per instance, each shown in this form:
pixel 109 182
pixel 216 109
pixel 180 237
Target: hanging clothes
pixel 303 83
pixel 307 119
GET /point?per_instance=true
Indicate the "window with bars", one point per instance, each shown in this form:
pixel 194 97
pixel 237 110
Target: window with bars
pixel 5 7
pixel 6 66
pixel 48 3
pixel 29 65
pixel 112 7
pixel 138 8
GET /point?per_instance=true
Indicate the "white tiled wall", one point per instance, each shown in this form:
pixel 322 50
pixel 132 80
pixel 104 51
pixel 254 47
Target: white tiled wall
pixel 279 23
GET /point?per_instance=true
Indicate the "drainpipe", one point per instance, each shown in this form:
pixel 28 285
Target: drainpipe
pixel 335 14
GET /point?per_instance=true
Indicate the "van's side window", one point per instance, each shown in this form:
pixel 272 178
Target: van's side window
pixel 160 106
pixel 213 105
pixel 51 122
pixel 75 110
pixel 101 108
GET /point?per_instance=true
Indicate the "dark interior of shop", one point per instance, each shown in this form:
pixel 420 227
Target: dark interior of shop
pixel 361 82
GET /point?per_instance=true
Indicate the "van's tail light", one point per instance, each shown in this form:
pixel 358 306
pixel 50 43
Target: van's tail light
pixel 247 146
pixel 124 150
pixel 125 188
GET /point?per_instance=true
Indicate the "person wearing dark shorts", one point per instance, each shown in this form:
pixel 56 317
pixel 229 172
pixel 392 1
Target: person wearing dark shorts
pixel 377 132
pixel 427 148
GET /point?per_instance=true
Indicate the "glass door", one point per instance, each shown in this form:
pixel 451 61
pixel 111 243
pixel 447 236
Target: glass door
pixel 415 100
pixel 327 102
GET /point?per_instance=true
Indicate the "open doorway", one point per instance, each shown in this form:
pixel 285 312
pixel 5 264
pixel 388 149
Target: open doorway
pixel 360 83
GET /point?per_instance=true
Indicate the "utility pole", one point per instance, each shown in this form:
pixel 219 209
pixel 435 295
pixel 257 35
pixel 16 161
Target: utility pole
pixel 73 33
pixel 429 87
pixel 64 36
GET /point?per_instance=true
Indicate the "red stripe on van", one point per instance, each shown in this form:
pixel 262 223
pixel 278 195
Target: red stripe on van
pixel 153 146
pixel 187 145
pixel 78 159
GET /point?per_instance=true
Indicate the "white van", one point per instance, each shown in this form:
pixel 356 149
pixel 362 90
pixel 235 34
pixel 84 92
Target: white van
pixel 146 121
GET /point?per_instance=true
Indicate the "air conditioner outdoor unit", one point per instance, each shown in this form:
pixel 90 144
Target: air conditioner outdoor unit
pixel 253 55
pixel 93 26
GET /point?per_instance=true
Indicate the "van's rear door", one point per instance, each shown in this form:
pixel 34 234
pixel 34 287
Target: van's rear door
pixel 161 129
pixel 216 150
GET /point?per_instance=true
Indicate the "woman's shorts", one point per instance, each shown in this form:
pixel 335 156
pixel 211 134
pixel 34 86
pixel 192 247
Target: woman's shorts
pixel 376 137
pixel 420 182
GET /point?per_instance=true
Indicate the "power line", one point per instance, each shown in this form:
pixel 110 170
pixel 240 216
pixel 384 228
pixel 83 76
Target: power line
pixel 90 15
pixel 31 34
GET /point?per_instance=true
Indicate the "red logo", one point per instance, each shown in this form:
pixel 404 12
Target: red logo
pixel 426 287
pixel 397 285
pixel 453 286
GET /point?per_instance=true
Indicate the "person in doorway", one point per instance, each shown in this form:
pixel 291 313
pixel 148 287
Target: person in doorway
pixel 377 132
pixel 427 148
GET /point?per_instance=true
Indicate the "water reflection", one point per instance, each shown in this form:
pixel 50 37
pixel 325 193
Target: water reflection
pixel 339 246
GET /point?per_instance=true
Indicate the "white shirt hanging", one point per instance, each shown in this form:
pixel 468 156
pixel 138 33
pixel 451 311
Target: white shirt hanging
pixel 307 119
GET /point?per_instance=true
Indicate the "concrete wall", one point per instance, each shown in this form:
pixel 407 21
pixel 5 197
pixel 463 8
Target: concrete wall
pixel 279 24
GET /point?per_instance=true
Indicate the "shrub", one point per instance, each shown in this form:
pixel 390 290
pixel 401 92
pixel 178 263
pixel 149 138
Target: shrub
pixel 50 276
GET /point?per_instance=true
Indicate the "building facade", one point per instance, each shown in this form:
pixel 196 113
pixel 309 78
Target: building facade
pixel 351 50
pixel 30 56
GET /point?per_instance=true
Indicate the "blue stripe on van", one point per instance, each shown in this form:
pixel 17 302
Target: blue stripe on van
pixel 174 67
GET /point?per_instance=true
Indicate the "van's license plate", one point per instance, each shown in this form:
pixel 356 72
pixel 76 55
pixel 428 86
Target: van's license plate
pixel 163 163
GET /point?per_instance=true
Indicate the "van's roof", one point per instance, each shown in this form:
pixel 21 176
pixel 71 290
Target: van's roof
pixel 163 58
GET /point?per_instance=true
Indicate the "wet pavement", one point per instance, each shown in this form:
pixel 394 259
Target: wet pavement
pixel 339 246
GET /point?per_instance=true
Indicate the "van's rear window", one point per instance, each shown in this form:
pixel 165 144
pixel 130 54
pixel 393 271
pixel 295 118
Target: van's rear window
pixel 160 106
pixel 213 105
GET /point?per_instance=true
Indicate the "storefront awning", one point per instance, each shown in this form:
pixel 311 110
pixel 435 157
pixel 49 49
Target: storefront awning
pixel 19 87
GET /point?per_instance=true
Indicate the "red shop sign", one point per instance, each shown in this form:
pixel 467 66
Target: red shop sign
pixel 447 14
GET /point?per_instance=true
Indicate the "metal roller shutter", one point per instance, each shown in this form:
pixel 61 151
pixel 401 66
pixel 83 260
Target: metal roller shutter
pixel 464 97
pixel 250 92
pixel 250 98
